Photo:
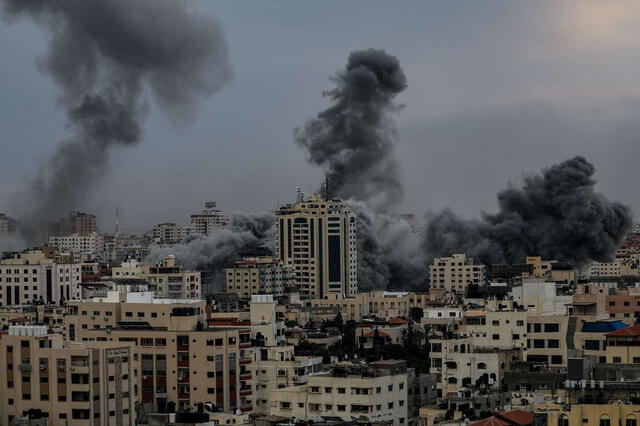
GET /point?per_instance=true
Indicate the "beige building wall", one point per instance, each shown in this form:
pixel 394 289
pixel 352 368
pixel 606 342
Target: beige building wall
pixel 317 238
pixel 76 384
pixel 455 273
pixel 593 414
pixel 260 275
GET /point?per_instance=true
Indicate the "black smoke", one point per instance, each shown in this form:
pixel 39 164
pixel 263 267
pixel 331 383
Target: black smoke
pixel 556 214
pixel 353 140
pixel 213 252
pixel 106 57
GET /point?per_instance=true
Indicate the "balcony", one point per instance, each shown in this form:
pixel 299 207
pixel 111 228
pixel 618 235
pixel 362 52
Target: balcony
pixel 183 363
pixel 183 395
pixel 183 348
pixel 245 360
pixel 183 379
pixel 246 407
pixel 245 391
pixel 245 345
pixel 245 376
pixel 25 367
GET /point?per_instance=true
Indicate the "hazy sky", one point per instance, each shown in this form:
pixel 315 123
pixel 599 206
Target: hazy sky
pixel 496 89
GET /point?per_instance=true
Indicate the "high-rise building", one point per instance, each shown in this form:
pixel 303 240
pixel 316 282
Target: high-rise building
pixel 8 225
pixel 70 383
pixel 31 276
pixel 318 238
pixel 455 273
pixel 209 220
pixel 75 223
pixel 258 274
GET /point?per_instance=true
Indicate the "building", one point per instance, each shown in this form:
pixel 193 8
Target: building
pixel 75 223
pixel 179 359
pixel 78 244
pixel 267 325
pixel 614 413
pixel 166 279
pixel 318 238
pixel 8 226
pixel 371 393
pixel 622 346
pixel 71 384
pixel 257 274
pixel 170 233
pixel 29 276
pixel 209 220
pixel 455 273
pixel 277 367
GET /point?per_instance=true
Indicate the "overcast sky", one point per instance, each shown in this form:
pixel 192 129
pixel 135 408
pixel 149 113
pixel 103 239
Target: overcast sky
pixel 496 89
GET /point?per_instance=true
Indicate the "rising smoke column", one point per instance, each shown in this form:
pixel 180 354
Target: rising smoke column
pixel 214 252
pixel 556 214
pixel 106 56
pixel 353 141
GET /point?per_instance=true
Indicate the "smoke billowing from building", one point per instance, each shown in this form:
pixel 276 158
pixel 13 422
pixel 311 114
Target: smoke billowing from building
pixel 105 57
pixel 213 252
pixel 556 214
pixel 352 140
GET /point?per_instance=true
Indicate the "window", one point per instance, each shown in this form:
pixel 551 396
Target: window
pixel 327 390
pixel 520 323
pixel 592 345
pixel 495 336
pixel 341 390
pixel 482 366
pixel 556 359
pixel 553 343
pixel 605 420
pixel 631 421
pixel 617 359
pixel 563 420
pixel 551 328
pixel 341 407
pixel 538 343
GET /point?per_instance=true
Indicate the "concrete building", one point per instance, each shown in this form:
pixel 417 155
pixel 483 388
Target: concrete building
pixel 614 413
pixel 371 393
pixel 166 279
pixel 71 384
pixel 455 273
pixel 318 238
pixel 8 226
pixel 622 346
pixel 267 325
pixel 77 244
pixel 75 223
pixel 277 367
pixel 179 359
pixel 170 233
pixel 256 274
pixel 209 220
pixel 541 296
pixel 29 276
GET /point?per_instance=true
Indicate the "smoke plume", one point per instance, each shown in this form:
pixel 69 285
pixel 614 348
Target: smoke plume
pixel 353 139
pixel 556 214
pixel 213 252
pixel 106 56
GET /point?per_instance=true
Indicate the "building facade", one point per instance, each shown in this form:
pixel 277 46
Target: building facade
pixel 258 275
pixel 455 273
pixel 209 220
pixel 317 237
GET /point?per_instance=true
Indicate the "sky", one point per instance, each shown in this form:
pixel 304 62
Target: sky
pixel 496 90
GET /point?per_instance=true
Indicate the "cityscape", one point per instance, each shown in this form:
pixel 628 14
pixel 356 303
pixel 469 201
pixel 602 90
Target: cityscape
pixel 343 277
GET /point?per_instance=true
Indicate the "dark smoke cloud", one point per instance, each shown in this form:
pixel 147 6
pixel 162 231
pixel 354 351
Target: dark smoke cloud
pixel 105 56
pixel 556 215
pixel 213 252
pixel 353 139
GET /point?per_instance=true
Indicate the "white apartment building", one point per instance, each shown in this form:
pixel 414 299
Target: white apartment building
pixel 209 220
pixel 455 273
pixel 318 238
pixel 29 276
pixel 258 275
pixel 376 392
pixel 277 367
pixel 267 325
pixel 170 233
pixel 76 243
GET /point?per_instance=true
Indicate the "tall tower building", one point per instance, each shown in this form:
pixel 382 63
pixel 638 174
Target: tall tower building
pixel 318 238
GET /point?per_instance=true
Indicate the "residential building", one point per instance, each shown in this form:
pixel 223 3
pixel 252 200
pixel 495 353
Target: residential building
pixel 8 226
pixel 166 279
pixel 318 238
pixel 371 393
pixel 622 346
pixel 76 243
pixel 179 358
pixel 75 223
pixel 70 383
pixel 209 220
pixel 256 274
pixel 30 276
pixel 614 413
pixel 277 367
pixel 267 325
pixel 170 233
pixel 455 273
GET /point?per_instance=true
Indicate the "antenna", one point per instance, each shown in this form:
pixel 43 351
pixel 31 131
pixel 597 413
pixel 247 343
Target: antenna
pixel 117 223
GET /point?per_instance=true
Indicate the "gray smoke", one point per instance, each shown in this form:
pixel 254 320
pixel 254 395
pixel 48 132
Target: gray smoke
pixel 213 252
pixel 353 140
pixel 556 214
pixel 105 56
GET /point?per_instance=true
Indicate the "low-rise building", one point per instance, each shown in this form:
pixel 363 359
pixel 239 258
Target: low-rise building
pixel 256 274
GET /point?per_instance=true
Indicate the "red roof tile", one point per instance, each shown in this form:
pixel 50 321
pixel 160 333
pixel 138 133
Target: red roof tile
pixel 632 331
pixel 396 321
pixel 517 417
pixel 490 421
pixel 372 333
